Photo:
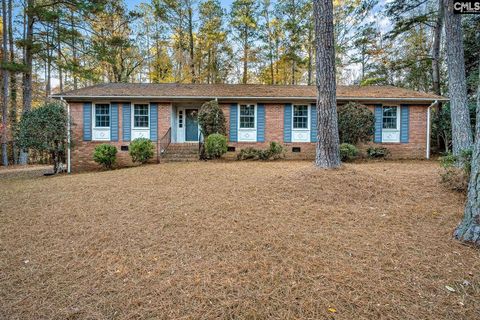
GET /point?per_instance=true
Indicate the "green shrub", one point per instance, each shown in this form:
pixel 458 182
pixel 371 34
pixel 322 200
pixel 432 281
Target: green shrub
pixel 248 154
pixel 348 152
pixel 44 129
pixel 141 150
pixel 378 152
pixel 211 119
pixel 275 151
pixel 356 123
pixel 448 160
pixel 215 145
pixel 106 155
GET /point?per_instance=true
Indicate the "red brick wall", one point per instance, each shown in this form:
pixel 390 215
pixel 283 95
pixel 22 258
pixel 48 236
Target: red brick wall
pixel 82 153
pixel 415 149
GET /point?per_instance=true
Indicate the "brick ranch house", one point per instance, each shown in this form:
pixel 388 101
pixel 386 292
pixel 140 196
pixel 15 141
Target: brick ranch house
pixel 117 113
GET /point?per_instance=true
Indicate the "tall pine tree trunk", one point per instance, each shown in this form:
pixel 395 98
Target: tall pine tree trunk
pixel 327 153
pixel 469 229
pixel 5 76
pixel 457 85
pixel 245 58
pixel 13 81
pixel 437 39
pixel 27 75
pixel 191 44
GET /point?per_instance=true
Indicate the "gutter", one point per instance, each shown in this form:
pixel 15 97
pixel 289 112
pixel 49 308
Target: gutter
pixel 240 98
pixel 429 126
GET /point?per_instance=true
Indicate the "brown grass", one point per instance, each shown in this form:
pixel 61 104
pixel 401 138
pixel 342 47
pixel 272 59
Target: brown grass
pixel 243 240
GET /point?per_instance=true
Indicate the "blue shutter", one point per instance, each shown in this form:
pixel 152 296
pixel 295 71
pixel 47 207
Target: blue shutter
pixel 378 123
pixel 153 121
pixel 287 123
pixel 404 123
pixel 126 122
pixel 114 122
pixel 313 123
pixel 260 123
pixel 87 121
pixel 233 122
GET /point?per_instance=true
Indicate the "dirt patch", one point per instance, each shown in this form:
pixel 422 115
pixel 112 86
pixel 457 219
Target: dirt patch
pixel 246 240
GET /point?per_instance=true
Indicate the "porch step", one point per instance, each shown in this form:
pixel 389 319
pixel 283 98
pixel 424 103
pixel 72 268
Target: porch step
pixel 181 153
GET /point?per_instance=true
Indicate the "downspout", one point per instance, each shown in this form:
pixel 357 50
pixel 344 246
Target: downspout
pixel 68 135
pixel 429 126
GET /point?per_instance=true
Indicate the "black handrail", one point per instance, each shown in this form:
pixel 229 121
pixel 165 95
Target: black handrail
pixel 163 144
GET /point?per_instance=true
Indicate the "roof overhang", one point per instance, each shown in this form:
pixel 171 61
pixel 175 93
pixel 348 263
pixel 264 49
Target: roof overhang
pixel 228 99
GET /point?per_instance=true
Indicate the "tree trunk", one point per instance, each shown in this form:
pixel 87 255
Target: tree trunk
pixel 437 39
pixel 327 153
pixel 13 81
pixel 469 229
pixel 310 56
pixel 245 58
pixel 457 85
pixel 5 76
pixel 190 33
pixel 27 75
pixel 74 50
pixel 59 56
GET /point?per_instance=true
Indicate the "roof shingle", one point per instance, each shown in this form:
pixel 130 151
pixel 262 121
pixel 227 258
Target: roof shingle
pixel 225 91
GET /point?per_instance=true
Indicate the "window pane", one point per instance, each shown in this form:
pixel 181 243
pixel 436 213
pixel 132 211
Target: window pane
pixel 247 116
pixel 300 117
pixel 390 117
pixel 102 115
pixel 140 116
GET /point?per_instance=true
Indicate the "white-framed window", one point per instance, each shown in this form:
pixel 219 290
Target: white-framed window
pixel 301 123
pixel 102 115
pixel 247 116
pixel 140 121
pixel 101 122
pixel 301 117
pixel 247 122
pixel 141 116
pixel 390 124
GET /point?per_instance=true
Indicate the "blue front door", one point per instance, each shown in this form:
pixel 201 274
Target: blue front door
pixel 191 125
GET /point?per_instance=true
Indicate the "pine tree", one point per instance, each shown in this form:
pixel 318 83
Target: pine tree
pixel 244 17
pixel 327 152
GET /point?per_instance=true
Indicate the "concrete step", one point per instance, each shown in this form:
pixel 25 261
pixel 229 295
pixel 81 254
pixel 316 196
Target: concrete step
pixel 181 152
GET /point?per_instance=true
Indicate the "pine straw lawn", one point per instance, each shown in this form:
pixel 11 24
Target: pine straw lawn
pixel 243 240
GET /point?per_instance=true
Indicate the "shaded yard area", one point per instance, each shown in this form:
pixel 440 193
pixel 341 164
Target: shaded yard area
pixel 241 240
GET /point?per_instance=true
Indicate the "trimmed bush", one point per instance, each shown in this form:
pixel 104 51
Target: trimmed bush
pixel 275 151
pixel 215 145
pixel 211 119
pixel 141 150
pixel 356 123
pixel 378 152
pixel 106 155
pixel 44 130
pixel 348 152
